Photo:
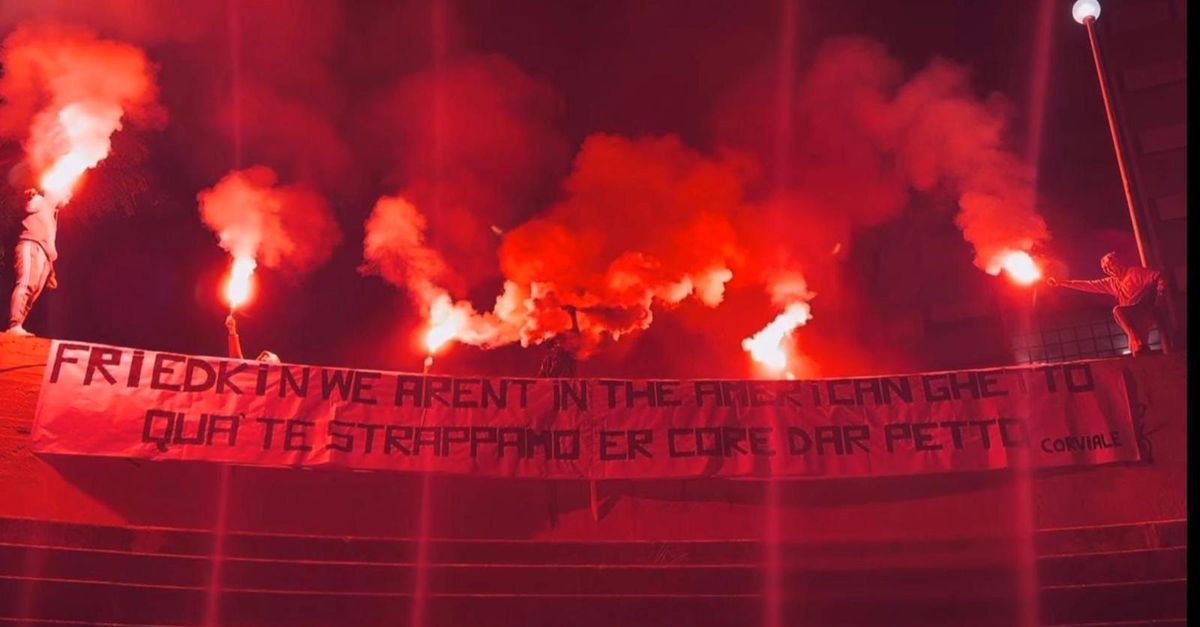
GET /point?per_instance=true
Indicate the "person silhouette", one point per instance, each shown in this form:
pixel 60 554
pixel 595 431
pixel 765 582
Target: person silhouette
pixel 1137 291
pixel 34 258
pixel 562 359
pixel 235 344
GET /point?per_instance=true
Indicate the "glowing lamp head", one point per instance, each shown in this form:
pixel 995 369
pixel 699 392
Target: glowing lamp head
pixel 1084 9
pixel 239 286
pixel 1020 267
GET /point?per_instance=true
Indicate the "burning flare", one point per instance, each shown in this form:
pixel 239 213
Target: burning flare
pixel 239 286
pixel 65 93
pixel 766 346
pixel 615 265
pixel 85 130
pixel 446 322
pixel 1020 267
pixel 285 227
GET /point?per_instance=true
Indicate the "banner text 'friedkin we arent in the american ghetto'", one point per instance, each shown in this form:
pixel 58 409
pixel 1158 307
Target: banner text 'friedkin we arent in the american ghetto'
pixel 111 401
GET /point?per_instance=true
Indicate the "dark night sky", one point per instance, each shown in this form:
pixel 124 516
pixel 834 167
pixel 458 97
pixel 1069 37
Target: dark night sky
pixel 144 271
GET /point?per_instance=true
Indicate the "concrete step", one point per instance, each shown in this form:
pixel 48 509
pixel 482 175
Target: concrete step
pixel 318 574
pixel 1147 535
pixel 1115 602
pixel 1113 567
pixel 62 600
pixel 162 576
pixel 376 578
pixel 1050 542
pixel 67 601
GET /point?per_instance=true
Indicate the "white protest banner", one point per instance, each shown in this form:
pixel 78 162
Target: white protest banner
pixel 111 401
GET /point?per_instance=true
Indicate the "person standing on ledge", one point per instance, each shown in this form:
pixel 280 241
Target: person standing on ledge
pixel 1137 291
pixel 34 259
pixel 235 344
pixel 562 360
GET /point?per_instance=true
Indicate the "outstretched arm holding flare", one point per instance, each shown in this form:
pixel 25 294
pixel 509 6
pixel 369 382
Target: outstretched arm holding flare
pixel 1095 286
pixel 1136 290
pixel 235 343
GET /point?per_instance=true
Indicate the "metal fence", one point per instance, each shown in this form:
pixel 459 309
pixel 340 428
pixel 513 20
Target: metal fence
pixel 1085 338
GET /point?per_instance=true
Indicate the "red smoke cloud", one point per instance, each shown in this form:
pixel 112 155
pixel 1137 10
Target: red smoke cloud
pixel 250 82
pixel 288 227
pixel 866 136
pixel 639 225
pixel 473 145
pixel 395 248
pixel 65 93
pixel 645 224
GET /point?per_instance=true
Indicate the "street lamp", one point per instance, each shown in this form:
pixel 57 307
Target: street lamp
pixel 1086 12
pixel 1085 9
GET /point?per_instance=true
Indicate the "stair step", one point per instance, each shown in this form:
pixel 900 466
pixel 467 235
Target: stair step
pixel 66 601
pixel 1097 603
pixel 1113 567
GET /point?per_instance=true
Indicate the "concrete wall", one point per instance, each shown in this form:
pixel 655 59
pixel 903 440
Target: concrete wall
pixel 186 494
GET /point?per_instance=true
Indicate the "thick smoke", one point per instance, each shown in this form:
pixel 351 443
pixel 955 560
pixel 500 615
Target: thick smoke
pixel 644 225
pixel 866 139
pixel 946 136
pixel 473 145
pixel 866 136
pixel 288 227
pixel 65 93
pixel 245 82
pixel 471 151
pixel 395 248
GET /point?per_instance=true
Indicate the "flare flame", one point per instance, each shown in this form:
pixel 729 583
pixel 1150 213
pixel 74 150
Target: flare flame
pixel 446 322
pixel 766 346
pixel 1019 266
pixel 65 93
pixel 240 287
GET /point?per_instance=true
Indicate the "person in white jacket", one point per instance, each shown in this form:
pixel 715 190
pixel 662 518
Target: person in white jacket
pixel 34 259
pixel 1137 291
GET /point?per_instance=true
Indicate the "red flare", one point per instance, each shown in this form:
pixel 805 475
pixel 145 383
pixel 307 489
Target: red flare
pixel 239 287
pixel 766 346
pixel 1020 267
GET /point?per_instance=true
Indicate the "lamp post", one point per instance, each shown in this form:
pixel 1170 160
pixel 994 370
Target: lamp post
pixel 1086 12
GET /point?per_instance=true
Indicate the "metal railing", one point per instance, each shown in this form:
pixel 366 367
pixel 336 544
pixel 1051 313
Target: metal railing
pixel 1086 338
